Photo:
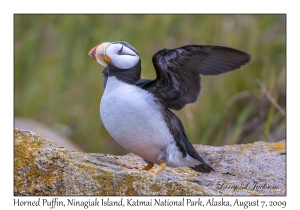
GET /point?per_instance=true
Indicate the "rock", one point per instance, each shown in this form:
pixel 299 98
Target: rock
pixel 43 168
pixel 46 132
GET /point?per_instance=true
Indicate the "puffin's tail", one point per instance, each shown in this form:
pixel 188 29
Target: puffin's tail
pixel 203 168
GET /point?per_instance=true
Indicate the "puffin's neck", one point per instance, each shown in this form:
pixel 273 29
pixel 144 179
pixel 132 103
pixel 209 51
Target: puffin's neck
pixel 130 76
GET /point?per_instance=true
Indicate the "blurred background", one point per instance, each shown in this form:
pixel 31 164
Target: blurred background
pixel 58 87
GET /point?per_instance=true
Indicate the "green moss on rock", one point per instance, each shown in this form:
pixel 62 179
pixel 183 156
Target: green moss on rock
pixel 43 168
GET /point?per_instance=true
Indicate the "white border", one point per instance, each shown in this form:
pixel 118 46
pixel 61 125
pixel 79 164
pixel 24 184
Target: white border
pixel 153 6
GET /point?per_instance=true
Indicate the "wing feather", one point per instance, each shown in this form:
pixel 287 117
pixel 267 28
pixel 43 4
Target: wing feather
pixel 178 71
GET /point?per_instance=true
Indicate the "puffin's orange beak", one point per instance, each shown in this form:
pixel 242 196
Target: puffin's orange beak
pixel 92 52
pixel 98 53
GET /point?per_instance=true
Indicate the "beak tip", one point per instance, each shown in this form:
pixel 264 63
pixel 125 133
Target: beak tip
pixel 92 52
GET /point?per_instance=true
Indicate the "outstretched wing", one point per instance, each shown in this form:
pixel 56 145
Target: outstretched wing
pixel 178 71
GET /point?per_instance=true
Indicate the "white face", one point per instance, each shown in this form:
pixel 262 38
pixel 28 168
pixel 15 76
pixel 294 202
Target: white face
pixel 120 56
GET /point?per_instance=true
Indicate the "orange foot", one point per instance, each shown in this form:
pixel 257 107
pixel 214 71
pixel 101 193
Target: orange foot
pixel 129 167
pixel 159 168
pixel 146 168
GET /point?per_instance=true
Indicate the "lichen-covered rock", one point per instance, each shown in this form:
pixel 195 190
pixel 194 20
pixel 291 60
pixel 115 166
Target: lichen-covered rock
pixel 43 168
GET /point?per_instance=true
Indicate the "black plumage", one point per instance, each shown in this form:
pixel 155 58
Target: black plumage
pixel 182 142
pixel 178 71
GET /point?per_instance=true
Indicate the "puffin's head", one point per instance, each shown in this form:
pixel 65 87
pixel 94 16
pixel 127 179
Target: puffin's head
pixel 120 54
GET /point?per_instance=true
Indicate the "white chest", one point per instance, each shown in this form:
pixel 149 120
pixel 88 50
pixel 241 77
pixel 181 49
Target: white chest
pixel 133 118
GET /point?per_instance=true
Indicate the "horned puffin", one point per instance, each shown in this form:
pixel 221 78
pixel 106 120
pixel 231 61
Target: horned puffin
pixel 136 112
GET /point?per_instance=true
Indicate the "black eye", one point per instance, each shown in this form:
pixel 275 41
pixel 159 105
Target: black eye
pixel 120 51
